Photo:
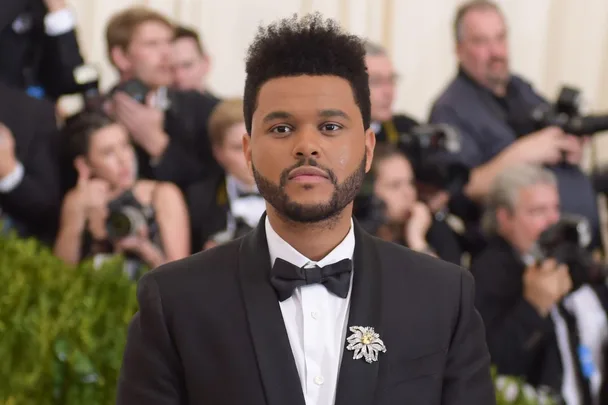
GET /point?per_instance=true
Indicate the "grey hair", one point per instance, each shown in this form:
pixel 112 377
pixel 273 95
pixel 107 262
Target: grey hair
pixel 464 9
pixel 374 49
pixel 505 189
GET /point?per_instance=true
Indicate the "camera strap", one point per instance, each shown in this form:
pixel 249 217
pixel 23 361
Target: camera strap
pixel 392 135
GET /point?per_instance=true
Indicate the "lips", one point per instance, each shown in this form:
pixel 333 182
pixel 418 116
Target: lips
pixel 307 172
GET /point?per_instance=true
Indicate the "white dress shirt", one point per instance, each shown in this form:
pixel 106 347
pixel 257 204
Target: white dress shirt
pixel 315 320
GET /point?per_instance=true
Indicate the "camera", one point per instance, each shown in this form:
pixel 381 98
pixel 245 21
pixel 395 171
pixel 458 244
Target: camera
pixel 426 147
pixel 566 241
pixel 125 218
pixel 566 114
pixel 369 210
pixel 134 88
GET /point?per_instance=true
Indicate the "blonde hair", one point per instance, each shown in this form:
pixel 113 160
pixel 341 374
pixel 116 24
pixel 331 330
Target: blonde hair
pixel 122 26
pixel 228 112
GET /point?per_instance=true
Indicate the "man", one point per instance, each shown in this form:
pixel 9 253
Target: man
pixel 191 62
pixel 538 316
pixel 38 47
pixel 225 206
pixel 170 128
pixel 280 316
pixel 491 107
pixel 29 169
pixel 382 80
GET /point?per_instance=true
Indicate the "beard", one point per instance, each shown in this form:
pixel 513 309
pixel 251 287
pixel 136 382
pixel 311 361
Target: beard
pixel 344 193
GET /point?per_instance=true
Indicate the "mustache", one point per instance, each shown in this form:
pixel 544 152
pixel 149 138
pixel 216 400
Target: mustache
pixel 308 162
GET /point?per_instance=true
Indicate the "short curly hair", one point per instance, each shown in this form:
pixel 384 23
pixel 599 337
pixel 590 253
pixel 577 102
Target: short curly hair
pixel 313 46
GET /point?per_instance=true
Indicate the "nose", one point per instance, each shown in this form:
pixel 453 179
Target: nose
pixel 306 143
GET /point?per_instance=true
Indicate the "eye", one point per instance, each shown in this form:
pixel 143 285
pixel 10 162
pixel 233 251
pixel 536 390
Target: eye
pixel 330 127
pixel 281 130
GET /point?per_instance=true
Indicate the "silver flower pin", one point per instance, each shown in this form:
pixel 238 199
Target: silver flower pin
pixel 365 342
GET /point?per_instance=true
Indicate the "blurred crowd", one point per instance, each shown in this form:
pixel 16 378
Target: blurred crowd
pixel 153 169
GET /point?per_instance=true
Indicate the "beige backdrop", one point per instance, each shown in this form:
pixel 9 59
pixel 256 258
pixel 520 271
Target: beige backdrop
pixel 553 42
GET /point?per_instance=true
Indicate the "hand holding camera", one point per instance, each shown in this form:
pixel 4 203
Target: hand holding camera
pixel 55 5
pixel 547 146
pixel 546 284
pixel 144 122
pixel 8 161
pixel 417 226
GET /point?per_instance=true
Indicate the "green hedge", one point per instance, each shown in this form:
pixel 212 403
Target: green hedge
pixel 63 330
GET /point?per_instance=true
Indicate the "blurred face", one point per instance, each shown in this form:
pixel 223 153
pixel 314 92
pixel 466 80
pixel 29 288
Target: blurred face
pixel 190 67
pixel 148 57
pixel 537 207
pixel 394 185
pixel 111 157
pixel 230 154
pixel 382 78
pixel 308 149
pixel 483 49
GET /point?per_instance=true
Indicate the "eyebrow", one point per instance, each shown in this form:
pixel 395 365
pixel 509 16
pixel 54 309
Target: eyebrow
pixel 333 113
pixel 275 115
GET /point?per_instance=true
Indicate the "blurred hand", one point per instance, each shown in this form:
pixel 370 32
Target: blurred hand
pixel 55 5
pixel 546 146
pixel 144 122
pixel 417 226
pixel 8 160
pixel 141 246
pixel 574 155
pixel 546 285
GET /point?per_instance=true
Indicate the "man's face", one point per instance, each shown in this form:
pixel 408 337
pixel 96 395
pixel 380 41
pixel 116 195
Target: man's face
pixel 230 154
pixel 536 208
pixel 308 123
pixel 190 67
pixel 382 78
pixel 482 49
pixel 148 57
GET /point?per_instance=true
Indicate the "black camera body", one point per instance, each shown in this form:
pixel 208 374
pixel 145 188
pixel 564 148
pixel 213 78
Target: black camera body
pixel 566 241
pixel 566 114
pixel 126 217
pixel 134 88
pixel 426 147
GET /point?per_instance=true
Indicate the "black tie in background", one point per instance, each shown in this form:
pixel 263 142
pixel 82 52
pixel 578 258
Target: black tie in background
pixel 286 277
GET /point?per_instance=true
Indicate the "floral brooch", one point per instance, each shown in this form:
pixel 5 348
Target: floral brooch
pixel 366 343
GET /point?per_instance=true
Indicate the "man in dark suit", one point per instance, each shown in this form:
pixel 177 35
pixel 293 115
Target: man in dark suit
pixel 307 308
pixel 29 172
pixel 169 128
pixel 38 47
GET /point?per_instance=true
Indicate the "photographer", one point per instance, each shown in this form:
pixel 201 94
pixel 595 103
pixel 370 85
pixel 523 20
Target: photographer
pixel 225 207
pixel 492 108
pixel 406 220
pixel 168 127
pixel 153 229
pixel 539 312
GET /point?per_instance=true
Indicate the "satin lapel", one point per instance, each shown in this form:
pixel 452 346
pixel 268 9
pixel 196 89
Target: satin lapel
pixel 357 378
pixel 275 359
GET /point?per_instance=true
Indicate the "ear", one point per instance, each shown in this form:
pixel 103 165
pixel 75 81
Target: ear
pixel 503 218
pixel 370 144
pixel 120 59
pixel 216 152
pixel 247 150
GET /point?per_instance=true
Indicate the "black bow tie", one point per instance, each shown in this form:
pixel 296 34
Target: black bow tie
pixel 286 277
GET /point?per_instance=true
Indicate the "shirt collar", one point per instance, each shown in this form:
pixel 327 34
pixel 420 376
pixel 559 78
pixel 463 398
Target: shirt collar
pixel 277 247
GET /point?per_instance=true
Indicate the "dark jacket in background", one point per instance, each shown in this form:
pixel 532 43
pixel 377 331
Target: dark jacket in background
pixel 33 58
pixel 35 203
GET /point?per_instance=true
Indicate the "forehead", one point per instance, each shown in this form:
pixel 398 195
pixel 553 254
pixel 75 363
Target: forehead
pixel 107 136
pixel 304 96
pixel 378 64
pixel 152 30
pixel 395 167
pixel 185 46
pixel 540 194
pixel 482 21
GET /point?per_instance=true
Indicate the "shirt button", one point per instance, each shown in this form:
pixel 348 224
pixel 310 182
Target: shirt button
pixel 315 315
pixel 319 380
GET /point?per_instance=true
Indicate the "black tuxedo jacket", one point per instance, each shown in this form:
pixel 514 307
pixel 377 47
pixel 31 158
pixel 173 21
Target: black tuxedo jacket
pixel 208 207
pixel 35 203
pixel 50 60
pixel 210 331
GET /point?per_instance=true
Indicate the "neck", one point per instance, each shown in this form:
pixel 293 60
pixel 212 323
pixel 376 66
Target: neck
pixel 313 240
